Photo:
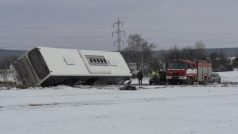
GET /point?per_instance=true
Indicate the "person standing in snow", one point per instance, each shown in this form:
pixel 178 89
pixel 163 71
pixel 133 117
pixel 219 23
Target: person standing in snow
pixel 140 77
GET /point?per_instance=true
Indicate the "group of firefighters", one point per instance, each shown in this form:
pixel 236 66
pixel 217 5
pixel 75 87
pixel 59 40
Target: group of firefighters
pixel 157 77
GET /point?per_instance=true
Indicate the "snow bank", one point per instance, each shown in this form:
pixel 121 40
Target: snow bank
pixel 231 76
pixel 10 78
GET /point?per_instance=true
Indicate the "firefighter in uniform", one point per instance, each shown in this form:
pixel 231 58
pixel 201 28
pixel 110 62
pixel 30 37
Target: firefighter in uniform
pixel 162 77
pixel 154 79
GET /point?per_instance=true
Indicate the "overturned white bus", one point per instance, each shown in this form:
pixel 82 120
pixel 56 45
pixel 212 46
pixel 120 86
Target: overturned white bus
pixel 44 66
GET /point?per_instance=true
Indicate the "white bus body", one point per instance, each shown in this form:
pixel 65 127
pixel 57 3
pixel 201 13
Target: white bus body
pixel 44 66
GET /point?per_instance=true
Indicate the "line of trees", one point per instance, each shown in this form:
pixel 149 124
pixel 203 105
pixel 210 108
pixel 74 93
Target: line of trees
pixel 220 62
pixel 5 62
pixel 191 53
pixel 142 53
pixel 235 62
pixel 5 73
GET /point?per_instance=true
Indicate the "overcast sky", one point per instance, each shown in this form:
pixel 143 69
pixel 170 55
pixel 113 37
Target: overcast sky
pixel 87 24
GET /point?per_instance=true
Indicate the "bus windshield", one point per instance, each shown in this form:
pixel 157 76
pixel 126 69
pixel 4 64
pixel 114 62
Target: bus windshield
pixel 38 63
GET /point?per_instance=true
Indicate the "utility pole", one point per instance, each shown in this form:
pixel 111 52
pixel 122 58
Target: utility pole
pixel 142 55
pixel 119 42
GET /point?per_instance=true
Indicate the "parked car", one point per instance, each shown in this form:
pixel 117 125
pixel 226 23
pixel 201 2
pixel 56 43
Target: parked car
pixel 215 77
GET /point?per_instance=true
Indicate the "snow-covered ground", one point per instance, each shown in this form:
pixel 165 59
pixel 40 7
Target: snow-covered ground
pixel 231 76
pixel 107 110
pixel 208 109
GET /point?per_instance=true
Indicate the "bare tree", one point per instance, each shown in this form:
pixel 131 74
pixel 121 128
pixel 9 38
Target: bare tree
pixel 200 50
pixel 188 53
pixel 173 54
pixel 199 45
pixel 138 51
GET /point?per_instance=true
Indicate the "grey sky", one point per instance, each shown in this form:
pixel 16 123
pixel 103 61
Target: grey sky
pixel 87 24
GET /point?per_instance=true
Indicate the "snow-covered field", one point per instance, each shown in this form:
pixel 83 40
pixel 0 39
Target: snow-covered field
pixel 208 109
pixel 107 110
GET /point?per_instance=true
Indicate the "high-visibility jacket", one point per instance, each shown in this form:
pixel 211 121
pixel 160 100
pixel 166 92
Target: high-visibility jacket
pixel 153 73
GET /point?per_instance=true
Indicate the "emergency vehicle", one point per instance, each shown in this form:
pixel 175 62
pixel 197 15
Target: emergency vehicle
pixel 188 72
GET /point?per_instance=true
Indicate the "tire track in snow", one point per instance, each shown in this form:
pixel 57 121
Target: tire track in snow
pixel 105 102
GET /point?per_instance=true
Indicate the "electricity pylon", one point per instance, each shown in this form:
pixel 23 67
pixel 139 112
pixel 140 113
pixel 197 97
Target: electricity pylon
pixel 119 42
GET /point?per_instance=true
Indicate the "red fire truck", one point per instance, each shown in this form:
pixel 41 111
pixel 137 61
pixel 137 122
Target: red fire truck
pixel 188 72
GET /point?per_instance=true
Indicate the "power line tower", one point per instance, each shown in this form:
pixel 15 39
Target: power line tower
pixel 119 42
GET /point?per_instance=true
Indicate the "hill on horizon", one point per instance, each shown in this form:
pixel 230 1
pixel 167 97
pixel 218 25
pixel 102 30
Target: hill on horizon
pixel 230 52
pixel 4 52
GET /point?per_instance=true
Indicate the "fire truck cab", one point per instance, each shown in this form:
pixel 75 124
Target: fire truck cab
pixel 188 72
